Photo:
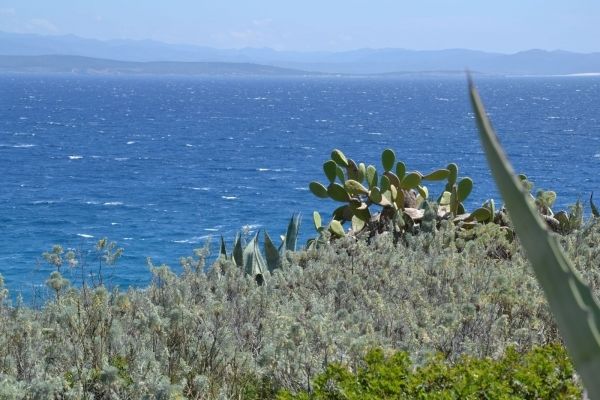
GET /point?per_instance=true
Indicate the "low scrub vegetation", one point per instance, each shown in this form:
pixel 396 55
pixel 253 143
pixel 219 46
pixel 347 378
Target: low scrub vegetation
pixel 542 373
pixel 214 333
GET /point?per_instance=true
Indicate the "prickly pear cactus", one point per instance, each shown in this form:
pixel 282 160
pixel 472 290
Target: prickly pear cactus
pixel 374 200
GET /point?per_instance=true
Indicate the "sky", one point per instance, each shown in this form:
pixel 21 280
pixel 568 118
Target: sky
pixel 312 25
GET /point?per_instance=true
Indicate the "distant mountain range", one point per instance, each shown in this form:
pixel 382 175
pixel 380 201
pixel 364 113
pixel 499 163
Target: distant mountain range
pixel 163 57
pixel 97 66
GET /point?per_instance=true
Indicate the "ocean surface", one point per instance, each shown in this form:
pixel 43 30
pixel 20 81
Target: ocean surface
pixel 161 165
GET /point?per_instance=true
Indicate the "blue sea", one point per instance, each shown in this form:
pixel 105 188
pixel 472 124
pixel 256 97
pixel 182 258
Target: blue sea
pixel 162 164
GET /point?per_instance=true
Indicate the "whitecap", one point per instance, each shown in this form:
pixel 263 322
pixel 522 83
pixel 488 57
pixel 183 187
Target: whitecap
pixel 301 188
pixel 211 229
pixel 85 235
pixel 205 189
pixel 23 146
pixel 92 202
pixel 192 240
pixel 263 169
pixel 131 142
pixel 229 197
pixel 75 157
pixel 121 158
pixel 189 145
pixel 374 133
pixel 113 203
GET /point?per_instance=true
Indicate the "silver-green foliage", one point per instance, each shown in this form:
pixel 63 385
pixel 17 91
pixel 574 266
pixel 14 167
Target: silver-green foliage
pixel 572 302
pixel 211 334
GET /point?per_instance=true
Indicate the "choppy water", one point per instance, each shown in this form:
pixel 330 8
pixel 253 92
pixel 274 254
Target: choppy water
pixel 161 164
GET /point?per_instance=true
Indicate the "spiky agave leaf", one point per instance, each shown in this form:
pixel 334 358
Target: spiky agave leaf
pixel 291 236
pixel 271 254
pixel 254 264
pixel 573 305
pixel 238 252
pixel 595 211
pixel 223 249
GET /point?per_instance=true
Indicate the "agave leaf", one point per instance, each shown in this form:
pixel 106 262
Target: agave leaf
pixel 595 211
pixel 223 250
pixel 387 159
pixel 291 236
pixel 576 311
pixel 272 255
pixel 318 190
pixel 238 252
pixel 254 264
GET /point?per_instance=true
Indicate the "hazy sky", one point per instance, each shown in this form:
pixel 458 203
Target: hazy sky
pixel 505 26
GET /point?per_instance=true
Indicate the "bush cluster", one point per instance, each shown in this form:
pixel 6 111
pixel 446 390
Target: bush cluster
pixel 542 373
pixel 214 333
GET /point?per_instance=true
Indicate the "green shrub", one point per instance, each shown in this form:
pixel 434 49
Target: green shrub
pixel 542 373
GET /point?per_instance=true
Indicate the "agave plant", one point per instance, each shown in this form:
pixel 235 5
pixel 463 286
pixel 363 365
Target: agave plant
pixel 573 305
pixel 249 258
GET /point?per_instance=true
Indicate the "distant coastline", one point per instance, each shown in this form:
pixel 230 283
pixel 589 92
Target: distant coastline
pixel 152 57
pixel 65 64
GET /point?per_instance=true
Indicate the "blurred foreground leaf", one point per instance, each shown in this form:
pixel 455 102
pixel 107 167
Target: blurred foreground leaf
pixel 575 310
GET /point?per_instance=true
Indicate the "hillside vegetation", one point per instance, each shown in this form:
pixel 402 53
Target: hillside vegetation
pixel 214 333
